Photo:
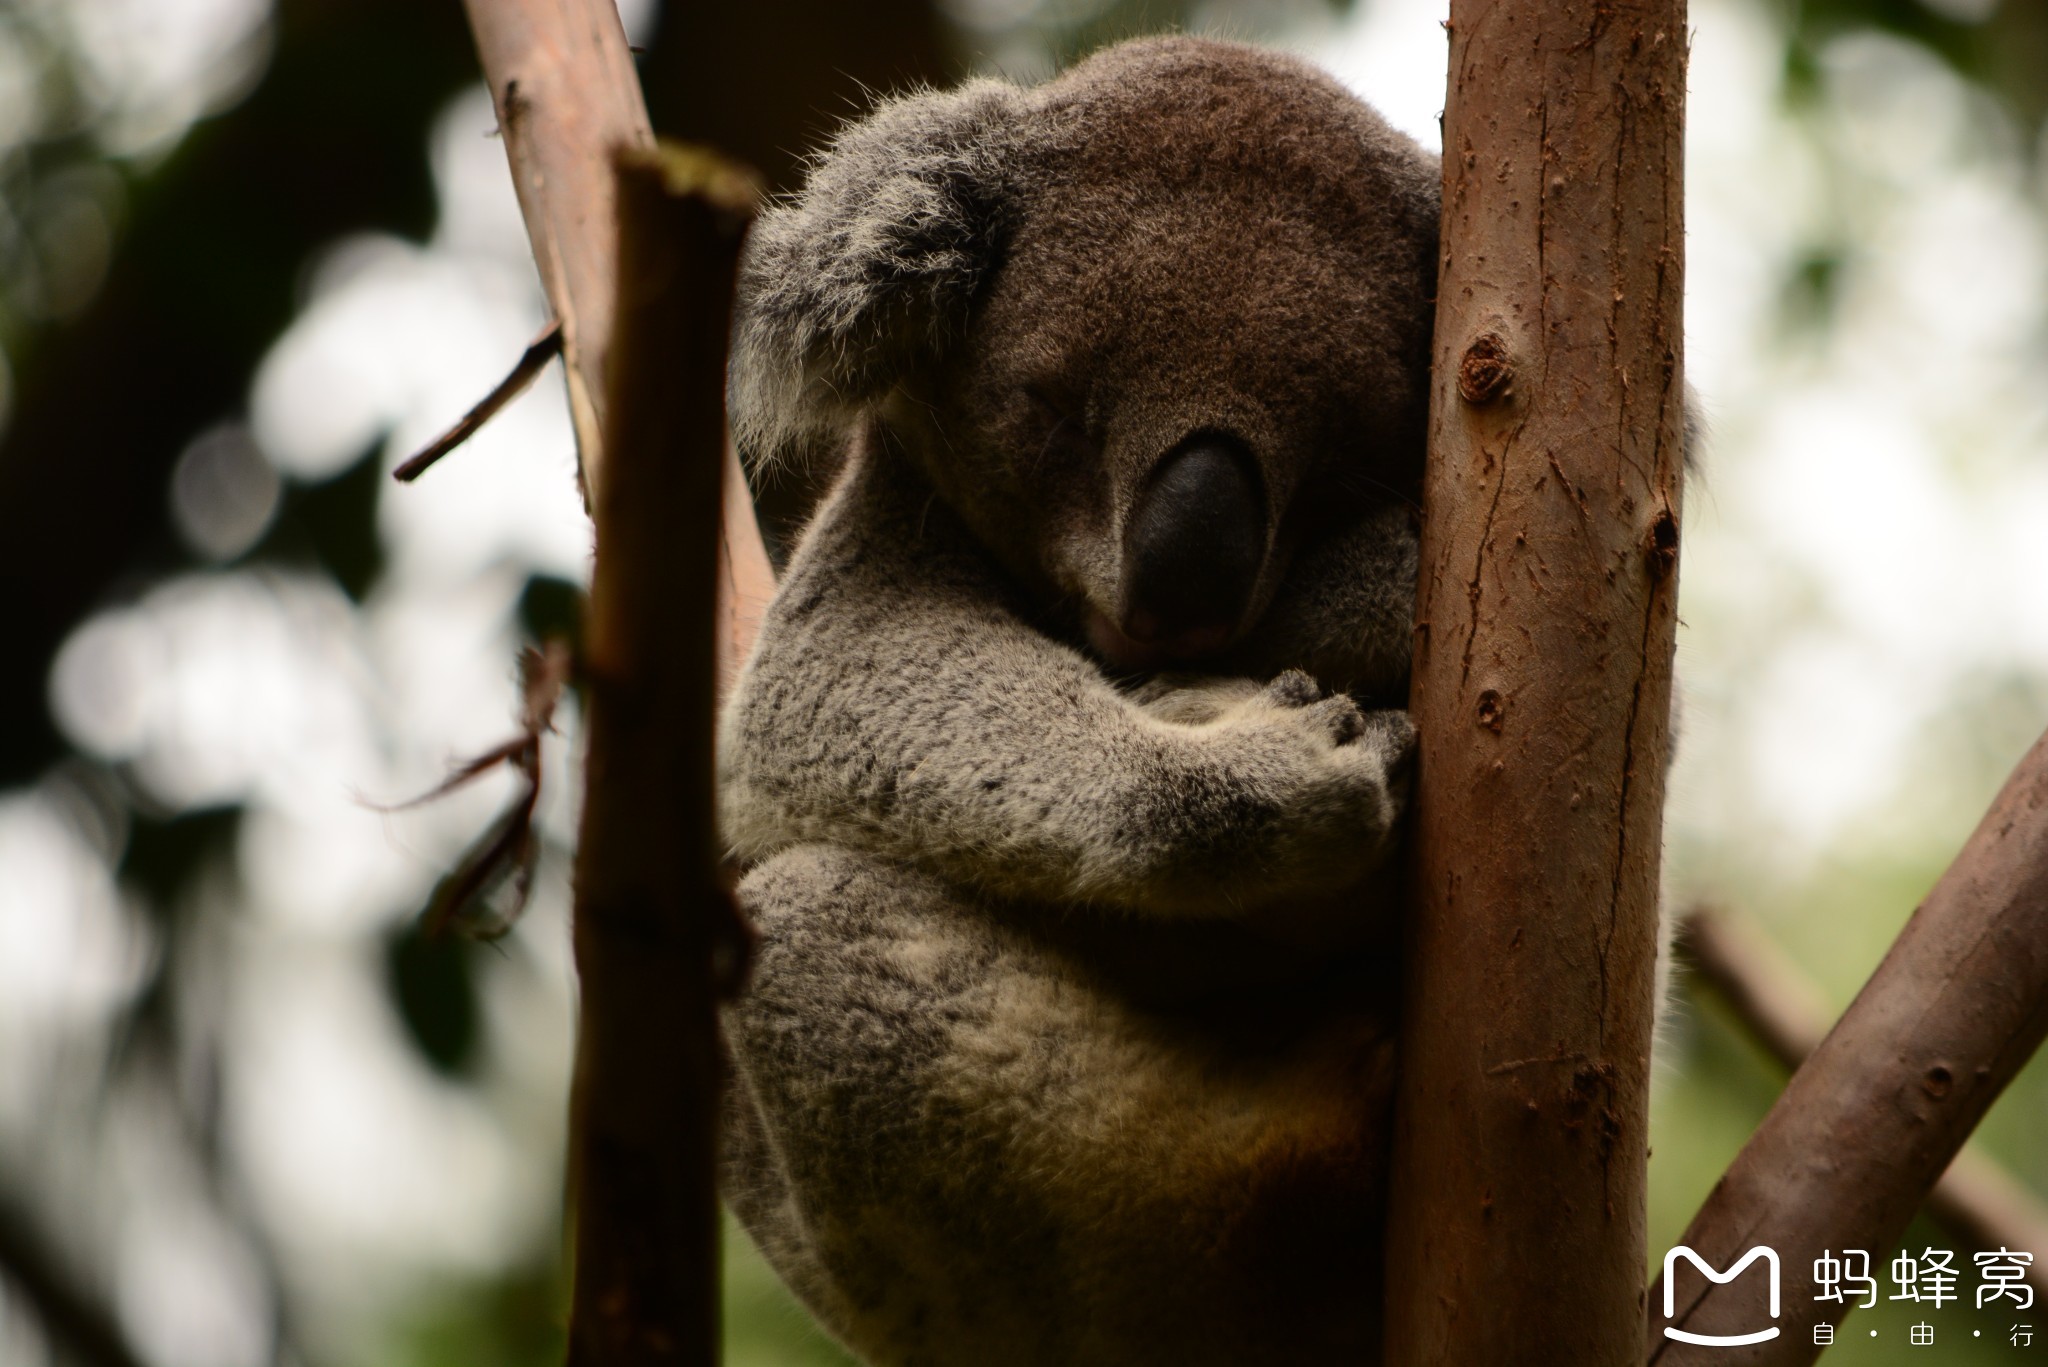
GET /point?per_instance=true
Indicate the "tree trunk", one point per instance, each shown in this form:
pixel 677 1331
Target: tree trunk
pixel 650 911
pixel 1547 606
pixel 644 298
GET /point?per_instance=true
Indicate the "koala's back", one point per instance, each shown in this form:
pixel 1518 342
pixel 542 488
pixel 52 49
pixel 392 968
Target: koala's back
pixel 961 1144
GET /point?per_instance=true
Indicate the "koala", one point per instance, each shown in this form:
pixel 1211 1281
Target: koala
pixel 1069 762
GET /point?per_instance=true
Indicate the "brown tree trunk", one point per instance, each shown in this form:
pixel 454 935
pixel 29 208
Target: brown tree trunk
pixel 637 249
pixel 1544 633
pixel 650 910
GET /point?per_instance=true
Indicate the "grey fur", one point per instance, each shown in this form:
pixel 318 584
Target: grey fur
pixel 1070 1037
pixel 878 261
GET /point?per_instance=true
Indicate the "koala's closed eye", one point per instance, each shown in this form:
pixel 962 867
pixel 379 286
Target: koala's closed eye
pixel 1058 420
pixel 1052 405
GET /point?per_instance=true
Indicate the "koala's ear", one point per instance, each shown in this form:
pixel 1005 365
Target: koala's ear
pixel 873 267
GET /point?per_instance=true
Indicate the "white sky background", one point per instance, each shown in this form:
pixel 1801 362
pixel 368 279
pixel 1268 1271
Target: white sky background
pixel 1866 552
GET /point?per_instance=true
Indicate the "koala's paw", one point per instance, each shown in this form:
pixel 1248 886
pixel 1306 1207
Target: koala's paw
pixel 1334 714
pixel 1386 733
pixel 1291 792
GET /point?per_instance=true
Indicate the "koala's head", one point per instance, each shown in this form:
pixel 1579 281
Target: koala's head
pixel 1149 328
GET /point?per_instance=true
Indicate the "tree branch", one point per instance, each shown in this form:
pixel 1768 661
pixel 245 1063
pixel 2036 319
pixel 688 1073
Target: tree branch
pixel 532 361
pixel 674 605
pixel 1876 1114
pixel 652 919
pixel 1977 1200
pixel 562 80
pixel 1545 621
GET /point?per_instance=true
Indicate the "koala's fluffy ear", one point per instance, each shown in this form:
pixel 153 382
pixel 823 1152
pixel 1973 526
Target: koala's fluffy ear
pixel 872 267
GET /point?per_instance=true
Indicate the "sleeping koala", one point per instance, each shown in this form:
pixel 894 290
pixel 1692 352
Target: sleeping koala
pixel 1070 756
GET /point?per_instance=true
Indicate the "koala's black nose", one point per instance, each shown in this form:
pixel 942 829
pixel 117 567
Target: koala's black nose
pixel 1193 547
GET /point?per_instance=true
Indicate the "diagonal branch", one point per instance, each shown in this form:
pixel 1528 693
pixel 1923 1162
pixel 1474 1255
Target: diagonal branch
pixel 1977 1200
pixel 1873 1118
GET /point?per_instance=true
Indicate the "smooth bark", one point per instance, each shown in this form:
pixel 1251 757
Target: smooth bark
pixel 1547 606
pixel 562 80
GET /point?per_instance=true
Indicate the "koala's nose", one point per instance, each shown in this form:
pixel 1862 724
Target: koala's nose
pixel 1193 548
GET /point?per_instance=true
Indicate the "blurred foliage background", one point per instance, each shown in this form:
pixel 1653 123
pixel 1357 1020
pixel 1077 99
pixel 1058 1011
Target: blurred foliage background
pixel 252 252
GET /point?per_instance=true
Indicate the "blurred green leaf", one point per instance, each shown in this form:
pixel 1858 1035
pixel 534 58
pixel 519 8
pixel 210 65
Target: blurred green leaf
pixel 1813 289
pixel 432 984
pixel 551 609
pixel 518 1320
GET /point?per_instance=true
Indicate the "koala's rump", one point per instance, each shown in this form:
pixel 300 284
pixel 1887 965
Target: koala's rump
pixel 961 1143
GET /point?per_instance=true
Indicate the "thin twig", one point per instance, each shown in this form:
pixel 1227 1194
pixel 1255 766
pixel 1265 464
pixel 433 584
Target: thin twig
pixel 538 353
pixel 1977 1200
pixel 487 890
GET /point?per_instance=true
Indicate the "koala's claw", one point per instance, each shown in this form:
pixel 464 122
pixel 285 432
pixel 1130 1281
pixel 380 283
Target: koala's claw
pixel 1392 734
pixel 1292 689
pixel 1336 715
pixel 1341 715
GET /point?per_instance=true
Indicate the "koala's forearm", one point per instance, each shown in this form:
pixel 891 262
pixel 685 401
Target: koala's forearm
pixel 1021 810
pixel 949 739
pixel 897 706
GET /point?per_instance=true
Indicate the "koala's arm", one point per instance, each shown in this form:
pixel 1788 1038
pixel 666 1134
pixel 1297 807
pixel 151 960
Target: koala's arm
pixel 897 704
